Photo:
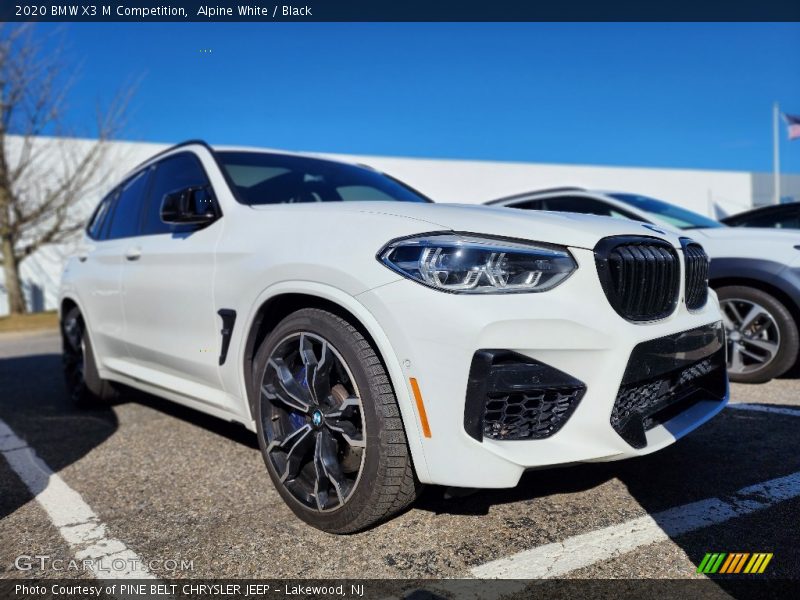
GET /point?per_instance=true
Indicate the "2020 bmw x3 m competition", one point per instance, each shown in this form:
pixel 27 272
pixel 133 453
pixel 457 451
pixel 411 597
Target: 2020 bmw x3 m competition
pixel 375 341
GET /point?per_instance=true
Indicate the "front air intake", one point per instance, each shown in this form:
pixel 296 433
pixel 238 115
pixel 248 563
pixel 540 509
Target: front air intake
pixel 668 376
pixel 513 397
pixel 640 276
pixel 696 278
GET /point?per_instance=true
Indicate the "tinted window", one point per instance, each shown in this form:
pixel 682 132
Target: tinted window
pixel 95 227
pixel 530 205
pixel 668 213
pixel 263 178
pixel 779 218
pixel 172 174
pixel 128 208
pixel 587 206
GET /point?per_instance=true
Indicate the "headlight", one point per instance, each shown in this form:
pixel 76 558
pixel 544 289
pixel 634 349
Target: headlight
pixel 469 264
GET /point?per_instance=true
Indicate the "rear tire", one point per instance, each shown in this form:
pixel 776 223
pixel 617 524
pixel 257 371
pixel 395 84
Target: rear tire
pixel 762 335
pixel 329 426
pixel 84 385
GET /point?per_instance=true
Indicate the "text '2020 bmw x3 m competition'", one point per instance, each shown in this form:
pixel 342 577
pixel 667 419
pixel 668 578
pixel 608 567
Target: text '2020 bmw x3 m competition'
pixel 375 341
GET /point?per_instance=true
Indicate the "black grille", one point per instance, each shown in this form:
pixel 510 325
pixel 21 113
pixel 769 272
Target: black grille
pixel 528 416
pixel 666 376
pixel 696 274
pixel 513 397
pixel 640 276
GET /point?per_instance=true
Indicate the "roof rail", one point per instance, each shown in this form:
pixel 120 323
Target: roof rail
pixel 536 193
pixel 173 147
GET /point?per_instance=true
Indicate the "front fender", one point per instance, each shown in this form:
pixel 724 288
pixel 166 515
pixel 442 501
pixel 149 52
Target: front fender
pixel 778 275
pixel 376 332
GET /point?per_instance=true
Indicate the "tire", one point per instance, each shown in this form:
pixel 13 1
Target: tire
pixel 332 402
pixel 84 385
pixel 762 347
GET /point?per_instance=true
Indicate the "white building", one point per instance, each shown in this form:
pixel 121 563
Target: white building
pixel 713 193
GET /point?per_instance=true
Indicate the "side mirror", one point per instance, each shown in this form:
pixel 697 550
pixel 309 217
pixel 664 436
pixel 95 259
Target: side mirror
pixel 189 206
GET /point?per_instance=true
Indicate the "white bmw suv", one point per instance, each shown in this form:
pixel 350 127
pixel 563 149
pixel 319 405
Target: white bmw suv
pixel 375 341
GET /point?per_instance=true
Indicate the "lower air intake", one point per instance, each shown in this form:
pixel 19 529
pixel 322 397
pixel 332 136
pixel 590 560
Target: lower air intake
pixel 667 376
pixel 513 397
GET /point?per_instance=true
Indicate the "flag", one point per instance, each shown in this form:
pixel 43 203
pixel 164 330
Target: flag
pixel 794 126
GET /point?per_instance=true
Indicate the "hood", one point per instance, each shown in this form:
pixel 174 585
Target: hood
pixel 745 233
pixel 566 229
pixel 777 245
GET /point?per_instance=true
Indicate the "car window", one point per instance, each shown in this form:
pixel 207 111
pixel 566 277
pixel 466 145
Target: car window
pixel 788 222
pixel 95 227
pixel 587 206
pixel 530 205
pixel 265 178
pixel 128 207
pixel 774 219
pixel 667 213
pixel 171 174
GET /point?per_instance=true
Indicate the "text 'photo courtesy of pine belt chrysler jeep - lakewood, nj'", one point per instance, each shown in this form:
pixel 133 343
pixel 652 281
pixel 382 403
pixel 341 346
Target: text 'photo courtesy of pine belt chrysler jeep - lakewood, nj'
pixel 375 341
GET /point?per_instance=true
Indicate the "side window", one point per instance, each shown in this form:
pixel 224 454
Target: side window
pixel 760 221
pixel 579 204
pixel 530 205
pixel 788 222
pixel 128 207
pixel 779 220
pixel 588 206
pixel 95 227
pixel 171 174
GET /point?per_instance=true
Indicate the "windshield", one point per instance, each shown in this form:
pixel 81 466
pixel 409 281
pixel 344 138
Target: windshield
pixel 263 178
pixel 668 213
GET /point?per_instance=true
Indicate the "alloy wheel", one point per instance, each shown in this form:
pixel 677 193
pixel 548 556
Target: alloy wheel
pixel 313 421
pixel 753 336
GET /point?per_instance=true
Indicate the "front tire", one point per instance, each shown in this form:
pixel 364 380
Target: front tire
pixel 84 385
pixel 761 334
pixel 329 426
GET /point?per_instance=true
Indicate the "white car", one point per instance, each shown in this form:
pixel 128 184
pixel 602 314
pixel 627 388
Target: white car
pixel 375 341
pixel 755 272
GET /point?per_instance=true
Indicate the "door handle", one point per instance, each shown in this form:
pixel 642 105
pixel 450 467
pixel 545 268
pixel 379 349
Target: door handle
pixel 134 253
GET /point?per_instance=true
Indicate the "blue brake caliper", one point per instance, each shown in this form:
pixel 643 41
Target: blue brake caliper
pixel 298 420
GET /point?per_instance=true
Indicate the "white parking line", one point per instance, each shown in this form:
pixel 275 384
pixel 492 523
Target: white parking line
pixel 776 410
pixel 106 557
pixel 559 558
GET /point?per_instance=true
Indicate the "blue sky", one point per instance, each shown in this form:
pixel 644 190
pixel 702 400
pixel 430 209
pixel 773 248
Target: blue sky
pixel 665 95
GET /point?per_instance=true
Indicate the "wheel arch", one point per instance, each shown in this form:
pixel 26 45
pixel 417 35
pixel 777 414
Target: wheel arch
pixel 67 304
pixel 770 288
pixel 278 302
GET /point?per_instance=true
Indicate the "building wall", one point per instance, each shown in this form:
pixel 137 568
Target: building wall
pixel 713 193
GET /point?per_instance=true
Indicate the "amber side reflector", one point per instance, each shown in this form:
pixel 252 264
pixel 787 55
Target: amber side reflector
pixel 423 417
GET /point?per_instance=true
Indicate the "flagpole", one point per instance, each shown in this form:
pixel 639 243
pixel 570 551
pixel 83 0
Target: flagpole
pixel 776 157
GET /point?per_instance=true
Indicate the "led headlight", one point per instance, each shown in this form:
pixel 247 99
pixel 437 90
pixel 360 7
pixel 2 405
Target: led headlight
pixel 469 264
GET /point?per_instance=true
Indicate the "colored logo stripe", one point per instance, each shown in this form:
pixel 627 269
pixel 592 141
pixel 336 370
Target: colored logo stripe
pixel 722 562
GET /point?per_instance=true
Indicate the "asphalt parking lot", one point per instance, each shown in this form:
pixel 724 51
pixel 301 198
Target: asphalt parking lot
pixel 173 484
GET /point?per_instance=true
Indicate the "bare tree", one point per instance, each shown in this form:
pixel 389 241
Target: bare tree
pixel 42 179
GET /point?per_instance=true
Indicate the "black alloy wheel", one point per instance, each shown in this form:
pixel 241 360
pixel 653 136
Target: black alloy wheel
pixel 328 424
pixel 313 421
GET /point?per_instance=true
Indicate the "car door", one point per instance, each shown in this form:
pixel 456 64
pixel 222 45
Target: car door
pixel 172 328
pixel 102 258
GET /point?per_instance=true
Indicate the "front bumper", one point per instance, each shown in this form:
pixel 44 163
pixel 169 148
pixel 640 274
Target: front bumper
pixel 572 329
